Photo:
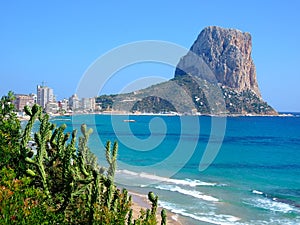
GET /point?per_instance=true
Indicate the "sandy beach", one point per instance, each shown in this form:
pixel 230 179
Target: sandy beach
pixel 141 201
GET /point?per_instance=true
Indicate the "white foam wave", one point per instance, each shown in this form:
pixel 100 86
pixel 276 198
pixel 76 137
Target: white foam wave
pixel 193 193
pixel 128 172
pixel 186 182
pixel 257 192
pixel 212 218
pixel 272 205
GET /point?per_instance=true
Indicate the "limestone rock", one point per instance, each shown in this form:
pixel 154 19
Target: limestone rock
pixel 227 53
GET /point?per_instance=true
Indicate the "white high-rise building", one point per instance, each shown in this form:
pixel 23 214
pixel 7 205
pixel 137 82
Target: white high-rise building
pixel 74 102
pixel 44 95
pixel 88 104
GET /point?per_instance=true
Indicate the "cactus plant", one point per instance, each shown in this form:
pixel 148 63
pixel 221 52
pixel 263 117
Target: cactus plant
pixel 154 200
pixel 163 217
pixel 71 178
pixel 111 158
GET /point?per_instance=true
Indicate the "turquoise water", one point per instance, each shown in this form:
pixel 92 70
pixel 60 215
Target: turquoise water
pixel 254 178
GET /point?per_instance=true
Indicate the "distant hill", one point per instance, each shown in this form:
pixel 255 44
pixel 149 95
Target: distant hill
pixel 217 76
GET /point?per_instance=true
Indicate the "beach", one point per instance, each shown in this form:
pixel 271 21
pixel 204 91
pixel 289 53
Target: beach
pixel 141 202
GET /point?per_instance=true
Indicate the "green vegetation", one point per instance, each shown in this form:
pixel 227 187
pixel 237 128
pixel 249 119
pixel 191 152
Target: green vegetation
pixel 153 104
pixel 192 88
pixel 57 182
pixel 245 102
pixel 105 102
pixel 9 131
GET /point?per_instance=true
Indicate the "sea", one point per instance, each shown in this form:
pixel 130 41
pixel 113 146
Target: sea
pixel 206 169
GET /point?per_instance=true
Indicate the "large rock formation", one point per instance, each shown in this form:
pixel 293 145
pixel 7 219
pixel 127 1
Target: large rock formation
pixel 217 76
pixel 227 52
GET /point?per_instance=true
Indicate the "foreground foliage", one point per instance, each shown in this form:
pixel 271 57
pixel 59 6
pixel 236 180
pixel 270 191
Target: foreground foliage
pixel 9 131
pixel 56 182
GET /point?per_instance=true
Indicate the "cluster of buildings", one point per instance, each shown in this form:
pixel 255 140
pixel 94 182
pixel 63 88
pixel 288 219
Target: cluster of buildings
pixel 45 97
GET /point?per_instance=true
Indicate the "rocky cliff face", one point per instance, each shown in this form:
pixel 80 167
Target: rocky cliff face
pixel 227 52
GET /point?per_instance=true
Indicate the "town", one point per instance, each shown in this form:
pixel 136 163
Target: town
pixel 46 99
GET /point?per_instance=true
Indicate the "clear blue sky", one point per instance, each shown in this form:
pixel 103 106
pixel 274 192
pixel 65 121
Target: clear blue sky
pixel 56 41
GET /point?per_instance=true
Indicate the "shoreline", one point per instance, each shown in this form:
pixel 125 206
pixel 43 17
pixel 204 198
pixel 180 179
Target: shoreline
pixel 121 113
pixel 23 117
pixel 140 201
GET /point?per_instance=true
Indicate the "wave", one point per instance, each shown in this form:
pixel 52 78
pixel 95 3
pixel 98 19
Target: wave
pixel 285 202
pixel 193 193
pixel 185 182
pixel 257 192
pixel 212 218
pixel 272 205
pixel 268 202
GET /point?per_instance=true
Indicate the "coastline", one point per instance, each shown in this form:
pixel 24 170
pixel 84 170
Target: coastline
pixel 23 117
pixel 140 201
pixel 123 113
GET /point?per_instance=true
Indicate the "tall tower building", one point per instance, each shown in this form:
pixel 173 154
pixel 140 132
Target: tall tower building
pixel 44 95
pixel 74 102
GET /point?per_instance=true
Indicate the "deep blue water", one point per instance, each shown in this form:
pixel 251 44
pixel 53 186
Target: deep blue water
pixel 254 179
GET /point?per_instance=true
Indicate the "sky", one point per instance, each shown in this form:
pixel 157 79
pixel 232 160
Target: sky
pixel 57 41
